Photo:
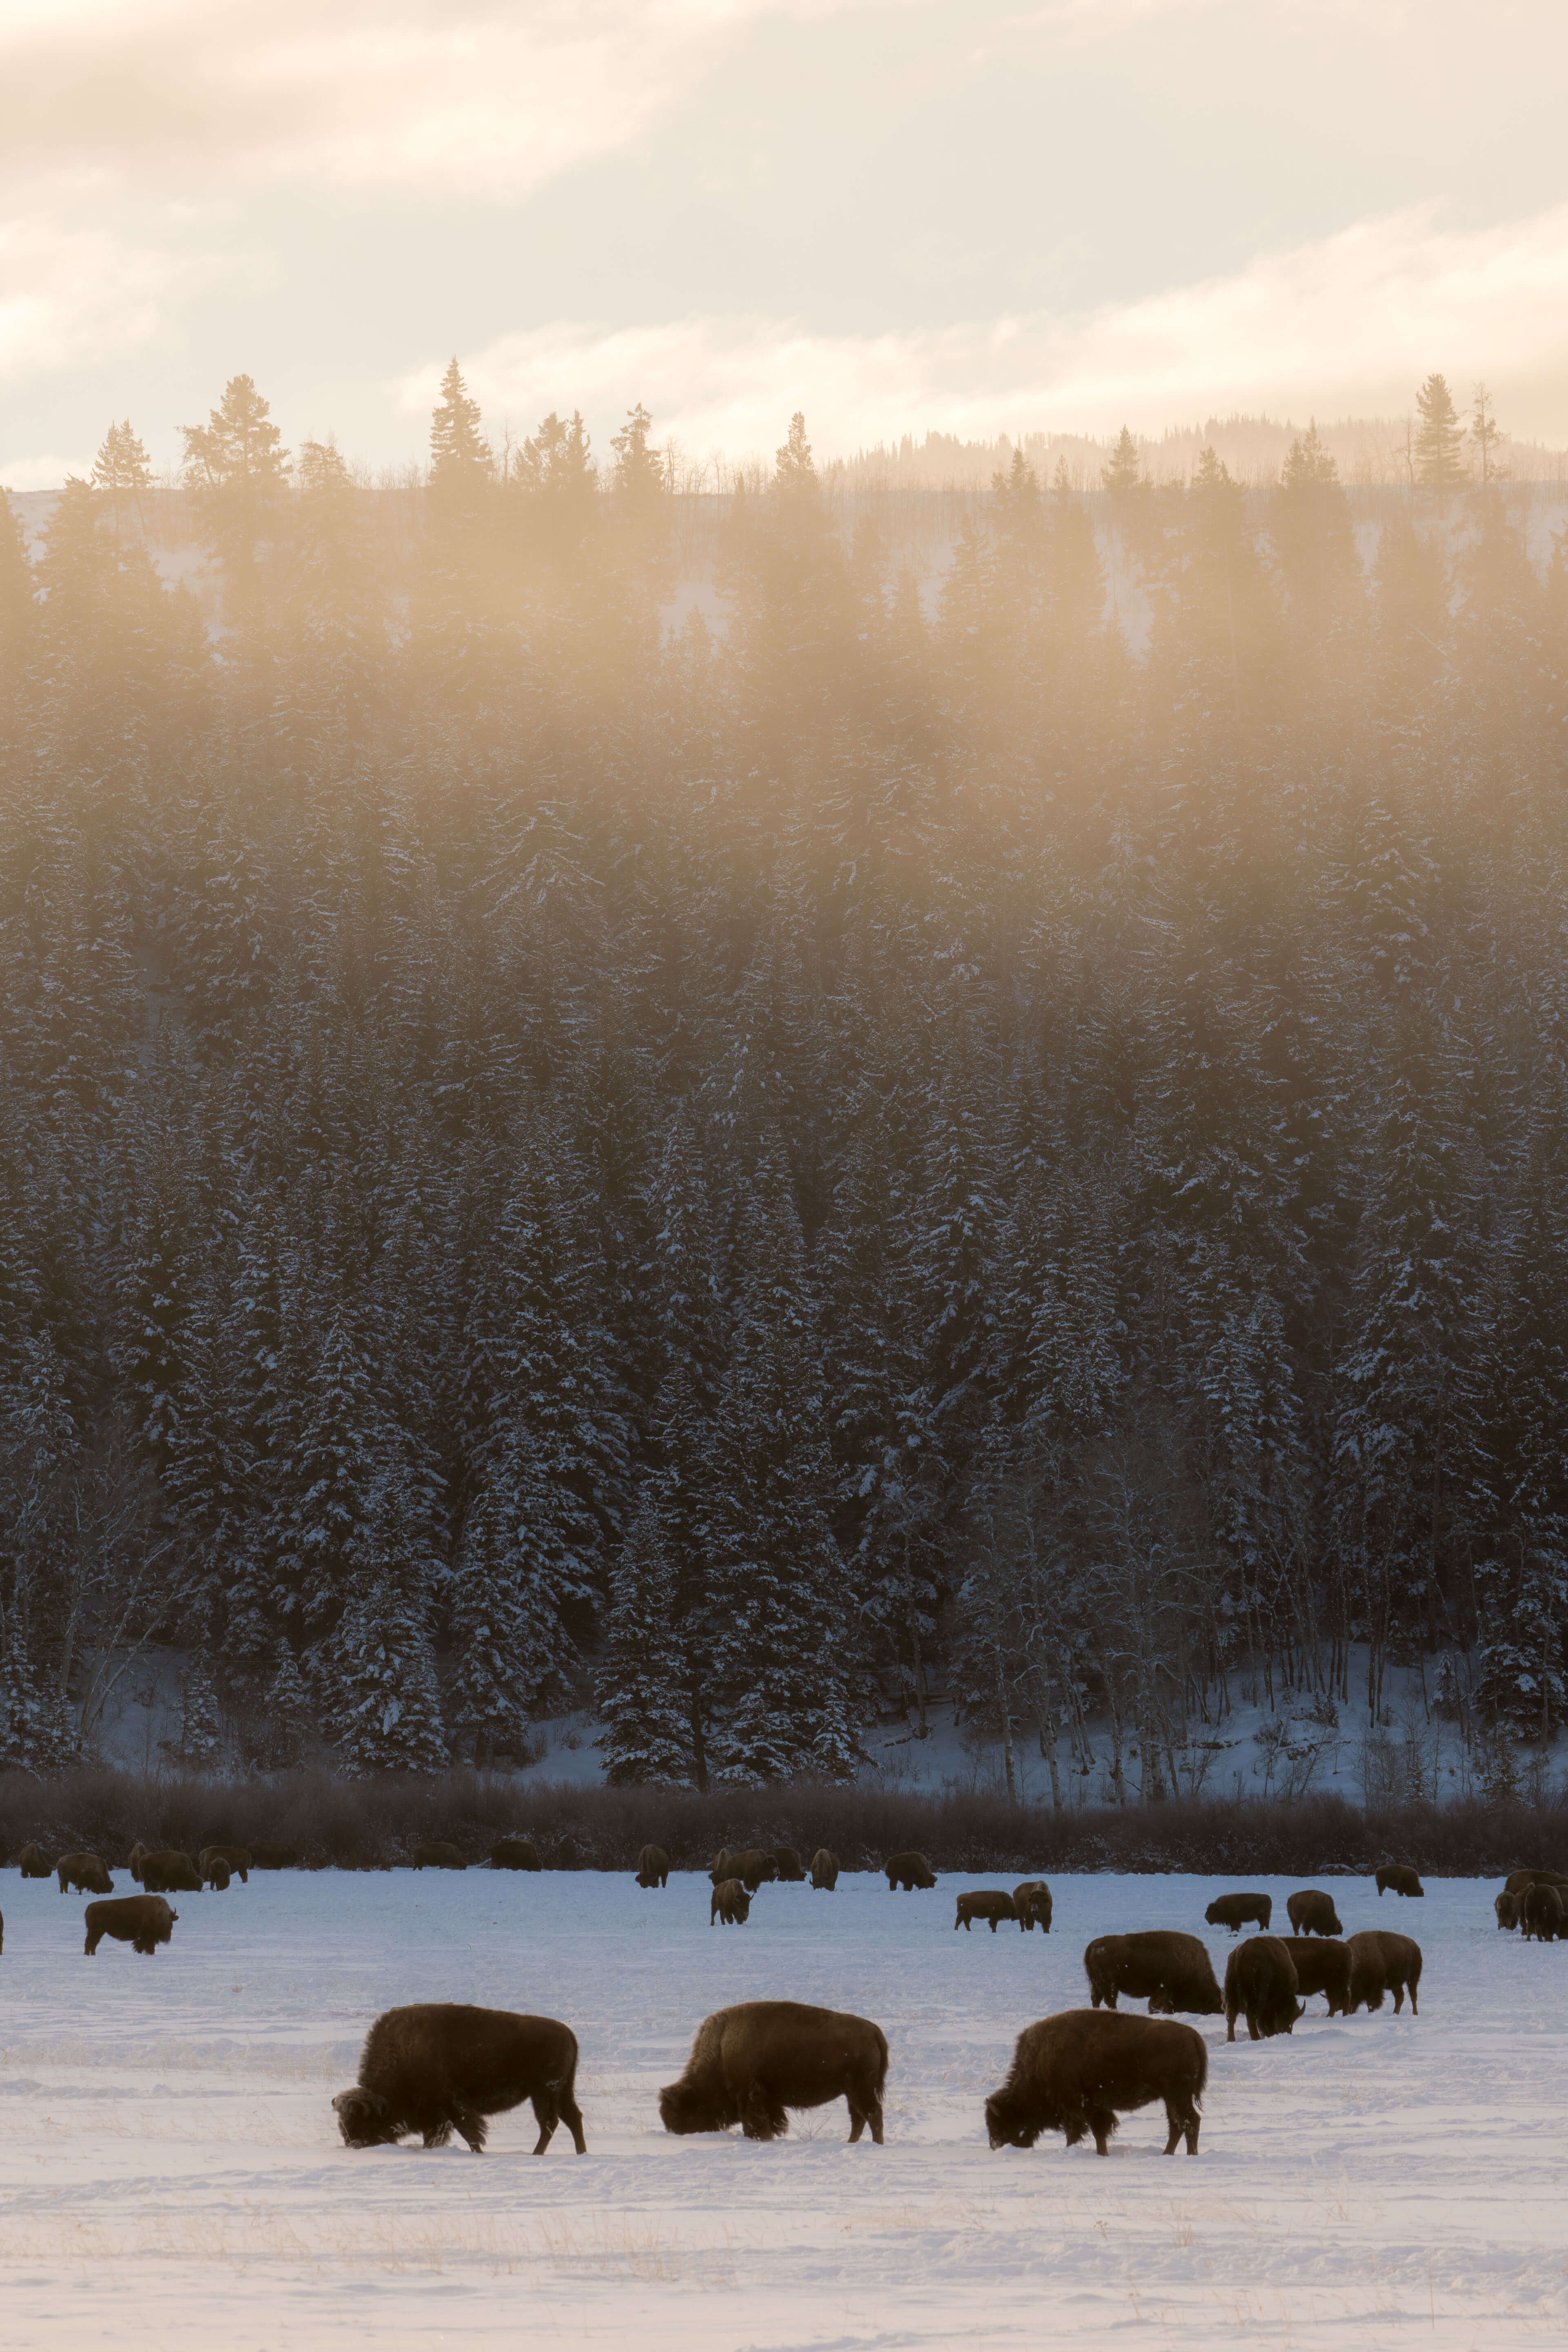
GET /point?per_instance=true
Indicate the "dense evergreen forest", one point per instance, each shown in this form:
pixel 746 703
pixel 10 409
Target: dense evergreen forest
pixel 745 1175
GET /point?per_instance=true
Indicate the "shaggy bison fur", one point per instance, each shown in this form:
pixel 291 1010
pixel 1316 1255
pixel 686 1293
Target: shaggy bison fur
pixel 1261 1983
pixel 1322 1965
pixel 749 2065
pixel 909 1871
pixel 824 1869
pixel 216 1874
pixel 1313 1912
pixel 268 1854
pixel 719 1868
pixel 85 1872
pixel 514 1853
pixel 1382 1962
pixel 1238 1911
pixel 1543 1914
pixel 1519 1882
pixel 138 1856
pixel 437 1853
pixel 236 1856
pixel 1507 1907
pixel 752 1867
pixel 731 1907
pixel 142 1921
pixel 653 1867
pixel 1031 1902
pixel 789 1866
pixel 1399 1877
pixel 1163 1966
pixel 992 1903
pixel 439 2067
pixel 33 1862
pixel 1079 2072
pixel 170 1872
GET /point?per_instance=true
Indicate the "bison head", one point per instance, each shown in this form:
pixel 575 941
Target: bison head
pixel 686 2107
pixel 362 2118
pixel 1008 2124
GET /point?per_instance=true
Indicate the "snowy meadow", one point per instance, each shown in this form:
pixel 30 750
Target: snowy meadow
pixel 172 2173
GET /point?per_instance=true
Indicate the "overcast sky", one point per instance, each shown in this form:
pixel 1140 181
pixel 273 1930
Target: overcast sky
pixel 978 217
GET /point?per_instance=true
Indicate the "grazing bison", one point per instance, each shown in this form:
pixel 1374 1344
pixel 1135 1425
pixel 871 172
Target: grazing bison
pixel 1163 1966
pixel 732 1906
pixel 515 1854
pixel 653 1867
pixel 992 1903
pixel 752 1867
pixel 1031 1902
pixel 170 1872
pixel 437 1853
pixel 236 1856
pixel 1238 1911
pixel 1313 1912
pixel 85 1872
pixel 33 1862
pixel 749 2065
pixel 440 2066
pixel 1260 1980
pixel 1507 1907
pixel 909 1871
pixel 1400 1878
pixel 1322 1965
pixel 1519 1882
pixel 1080 2072
pixel 1543 1917
pixel 142 1921
pixel 789 1866
pixel 266 1853
pixel 824 1869
pixel 216 1874
pixel 1382 1962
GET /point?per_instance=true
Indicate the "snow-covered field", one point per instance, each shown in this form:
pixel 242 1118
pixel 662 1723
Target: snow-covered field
pixel 171 2174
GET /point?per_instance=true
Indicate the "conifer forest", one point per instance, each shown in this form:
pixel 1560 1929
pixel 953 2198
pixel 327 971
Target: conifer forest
pixel 741 1160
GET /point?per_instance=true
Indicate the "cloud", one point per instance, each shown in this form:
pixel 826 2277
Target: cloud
pixel 71 298
pixel 1349 323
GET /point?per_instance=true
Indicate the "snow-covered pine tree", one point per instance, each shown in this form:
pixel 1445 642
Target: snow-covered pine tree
pixel 326 1484
pixel 386 1701
pixel 292 1722
pixel 198 1745
pixel 644 1738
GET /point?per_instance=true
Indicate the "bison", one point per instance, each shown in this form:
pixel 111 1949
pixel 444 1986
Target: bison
pixel 85 1872
pixel 732 1906
pixel 992 1903
pixel 1543 1914
pixel 751 2063
pixel 138 1856
pixel 653 1867
pixel 515 1854
pixel 1400 1878
pixel 1322 1965
pixel 440 2066
pixel 33 1862
pixel 170 1872
pixel 1031 1902
pixel 1313 1912
pixel 719 1868
pixel 1381 1962
pixel 1260 1980
pixel 266 1854
pixel 909 1871
pixel 789 1866
pixel 1507 1907
pixel 437 1853
pixel 1238 1911
pixel 824 1869
pixel 216 1874
pixel 752 1867
pixel 142 1921
pixel 1519 1882
pixel 236 1856
pixel 1079 2072
pixel 1163 1966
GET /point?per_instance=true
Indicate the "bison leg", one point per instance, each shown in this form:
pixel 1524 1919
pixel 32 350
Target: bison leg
pixel 1102 2123
pixel 571 2116
pixel 994 1926
pixel 1254 2029
pixel 762 2117
pixel 1415 2004
pixel 94 1936
pixel 1230 2018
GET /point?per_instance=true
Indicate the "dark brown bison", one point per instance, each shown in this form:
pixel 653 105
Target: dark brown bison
pixel 1519 1882
pixel 751 2063
pixel 719 1868
pixel 1260 1981
pixel 1383 1962
pixel 515 1854
pixel 1238 1911
pixel 732 1906
pixel 266 1854
pixel 1543 1917
pixel 1507 1907
pixel 789 1866
pixel 142 1921
pixel 439 2067
pixel 825 1870
pixel 1169 1969
pixel 1080 2072
pixel 1400 1878
pixel 216 1874
pixel 752 1867
pixel 33 1862
pixel 437 1853
pixel 653 1867
pixel 170 1872
pixel 992 1903
pixel 1313 1912
pixel 236 1856
pixel 909 1871
pixel 1031 1902
pixel 1322 1965
pixel 138 1856
pixel 85 1872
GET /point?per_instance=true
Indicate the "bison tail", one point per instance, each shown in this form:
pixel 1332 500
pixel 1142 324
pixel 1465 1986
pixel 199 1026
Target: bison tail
pixel 881 2077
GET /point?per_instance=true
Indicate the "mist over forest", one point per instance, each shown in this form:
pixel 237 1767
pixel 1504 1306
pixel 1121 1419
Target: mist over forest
pixel 624 1102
